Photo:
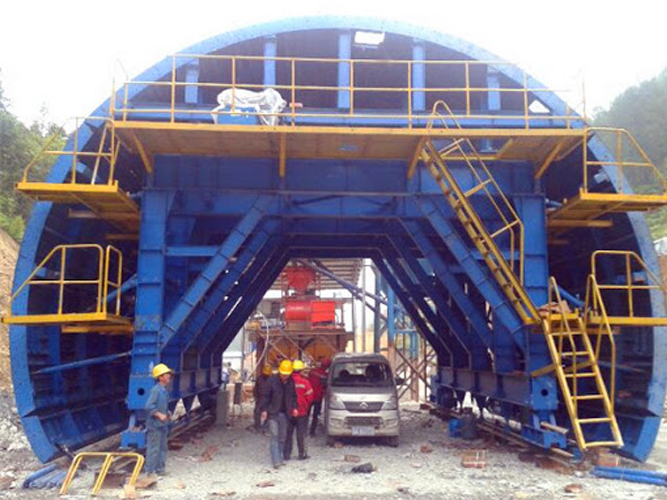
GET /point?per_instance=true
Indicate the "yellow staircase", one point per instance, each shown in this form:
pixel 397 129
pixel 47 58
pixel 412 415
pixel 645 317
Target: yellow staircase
pixel 507 272
pixel 575 363
pixel 574 339
pixel 101 193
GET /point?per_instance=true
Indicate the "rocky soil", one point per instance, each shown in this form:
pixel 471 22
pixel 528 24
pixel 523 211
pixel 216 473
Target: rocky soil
pixel 233 462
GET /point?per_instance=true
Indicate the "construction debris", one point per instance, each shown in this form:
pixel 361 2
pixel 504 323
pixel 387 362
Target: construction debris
pixel 208 453
pixel 352 458
pixel 266 484
pixel 129 492
pixel 426 449
pixel 145 482
pixel 573 488
pixel 366 468
pixel 474 459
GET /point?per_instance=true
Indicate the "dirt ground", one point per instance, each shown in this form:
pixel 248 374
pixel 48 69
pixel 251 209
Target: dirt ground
pixel 8 253
pixel 230 462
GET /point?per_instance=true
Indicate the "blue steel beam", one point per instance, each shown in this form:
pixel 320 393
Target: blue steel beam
pixel 475 343
pixel 449 281
pixel 268 254
pixel 460 353
pixel 412 311
pixel 207 307
pixel 150 294
pixel 214 268
pixel 249 301
pixel 479 276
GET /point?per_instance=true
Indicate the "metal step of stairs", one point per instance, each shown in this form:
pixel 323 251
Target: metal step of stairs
pixel 568 341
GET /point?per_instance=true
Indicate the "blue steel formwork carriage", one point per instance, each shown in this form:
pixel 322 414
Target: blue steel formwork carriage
pixel 465 181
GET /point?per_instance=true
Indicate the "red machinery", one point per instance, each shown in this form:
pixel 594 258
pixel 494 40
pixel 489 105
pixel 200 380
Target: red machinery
pixel 303 306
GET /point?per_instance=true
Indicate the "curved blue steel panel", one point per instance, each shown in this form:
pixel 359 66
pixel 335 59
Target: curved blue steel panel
pixel 40 437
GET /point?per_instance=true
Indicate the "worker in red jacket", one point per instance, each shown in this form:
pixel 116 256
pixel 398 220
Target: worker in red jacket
pixel 318 379
pixel 304 398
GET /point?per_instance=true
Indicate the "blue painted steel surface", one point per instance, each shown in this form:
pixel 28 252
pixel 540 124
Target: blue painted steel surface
pixel 208 250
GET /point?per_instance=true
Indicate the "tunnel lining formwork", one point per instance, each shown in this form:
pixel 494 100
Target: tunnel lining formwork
pixel 216 228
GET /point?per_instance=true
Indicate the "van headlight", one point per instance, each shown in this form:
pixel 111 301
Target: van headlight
pixel 390 404
pixel 335 403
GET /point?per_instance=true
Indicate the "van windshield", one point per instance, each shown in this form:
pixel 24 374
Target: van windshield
pixel 361 374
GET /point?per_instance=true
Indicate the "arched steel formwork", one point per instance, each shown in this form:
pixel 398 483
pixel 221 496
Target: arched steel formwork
pixel 208 214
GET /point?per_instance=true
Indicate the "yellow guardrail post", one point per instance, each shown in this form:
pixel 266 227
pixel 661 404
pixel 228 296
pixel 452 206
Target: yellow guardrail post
pixel 465 89
pixel 103 281
pixel 109 458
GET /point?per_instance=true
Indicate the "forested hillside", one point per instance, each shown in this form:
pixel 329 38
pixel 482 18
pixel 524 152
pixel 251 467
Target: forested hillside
pixel 18 145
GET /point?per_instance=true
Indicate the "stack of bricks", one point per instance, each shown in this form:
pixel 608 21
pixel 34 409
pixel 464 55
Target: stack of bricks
pixel 604 458
pixel 474 459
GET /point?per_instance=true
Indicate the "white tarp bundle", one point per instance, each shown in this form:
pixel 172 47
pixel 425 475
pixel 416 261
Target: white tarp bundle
pixel 265 104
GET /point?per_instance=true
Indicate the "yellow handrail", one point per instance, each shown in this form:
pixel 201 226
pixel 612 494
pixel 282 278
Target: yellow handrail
pixel 619 162
pixel 103 282
pixel 594 308
pixel 628 259
pixel 509 223
pixel 237 80
pixel 107 151
pixel 564 331
pixel 106 466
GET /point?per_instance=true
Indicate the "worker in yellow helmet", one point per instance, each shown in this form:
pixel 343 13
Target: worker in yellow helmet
pixel 157 421
pixel 260 388
pixel 278 403
pixel 299 422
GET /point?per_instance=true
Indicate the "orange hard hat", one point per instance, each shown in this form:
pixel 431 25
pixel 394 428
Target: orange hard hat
pixel 267 370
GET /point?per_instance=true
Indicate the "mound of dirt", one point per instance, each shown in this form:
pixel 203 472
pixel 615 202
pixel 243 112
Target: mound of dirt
pixel 9 251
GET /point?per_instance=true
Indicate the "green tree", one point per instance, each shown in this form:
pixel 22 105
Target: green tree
pixel 642 110
pixel 18 146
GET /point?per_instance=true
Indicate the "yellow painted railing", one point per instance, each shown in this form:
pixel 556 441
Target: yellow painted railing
pixel 594 308
pixel 239 71
pixel 107 278
pixel 630 263
pixel 103 157
pixel 569 342
pixel 109 458
pixel 562 332
pixel 629 158
pixel 484 183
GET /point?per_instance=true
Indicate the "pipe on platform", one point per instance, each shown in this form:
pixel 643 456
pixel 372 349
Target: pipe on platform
pixel 570 298
pixel 318 267
pixel 129 284
pixel 82 363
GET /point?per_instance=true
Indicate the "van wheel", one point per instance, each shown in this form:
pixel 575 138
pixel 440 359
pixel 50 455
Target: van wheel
pixel 392 441
pixel 331 440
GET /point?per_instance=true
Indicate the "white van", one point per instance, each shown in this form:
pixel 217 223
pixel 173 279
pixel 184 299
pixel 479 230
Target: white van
pixel 361 398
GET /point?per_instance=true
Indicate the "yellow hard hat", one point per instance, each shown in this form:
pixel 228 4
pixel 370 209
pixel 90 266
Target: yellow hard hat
pixel 161 369
pixel 298 365
pixel 267 370
pixel 285 367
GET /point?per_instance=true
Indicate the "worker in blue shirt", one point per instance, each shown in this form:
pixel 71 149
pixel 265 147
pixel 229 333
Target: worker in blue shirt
pixel 157 421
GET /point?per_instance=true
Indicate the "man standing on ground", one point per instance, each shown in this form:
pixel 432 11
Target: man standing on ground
pixel 259 391
pixel 157 421
pixel 279 401
pixel 318 380
pixel 304 398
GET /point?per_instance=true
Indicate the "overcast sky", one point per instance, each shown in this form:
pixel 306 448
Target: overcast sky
pixel 63 54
